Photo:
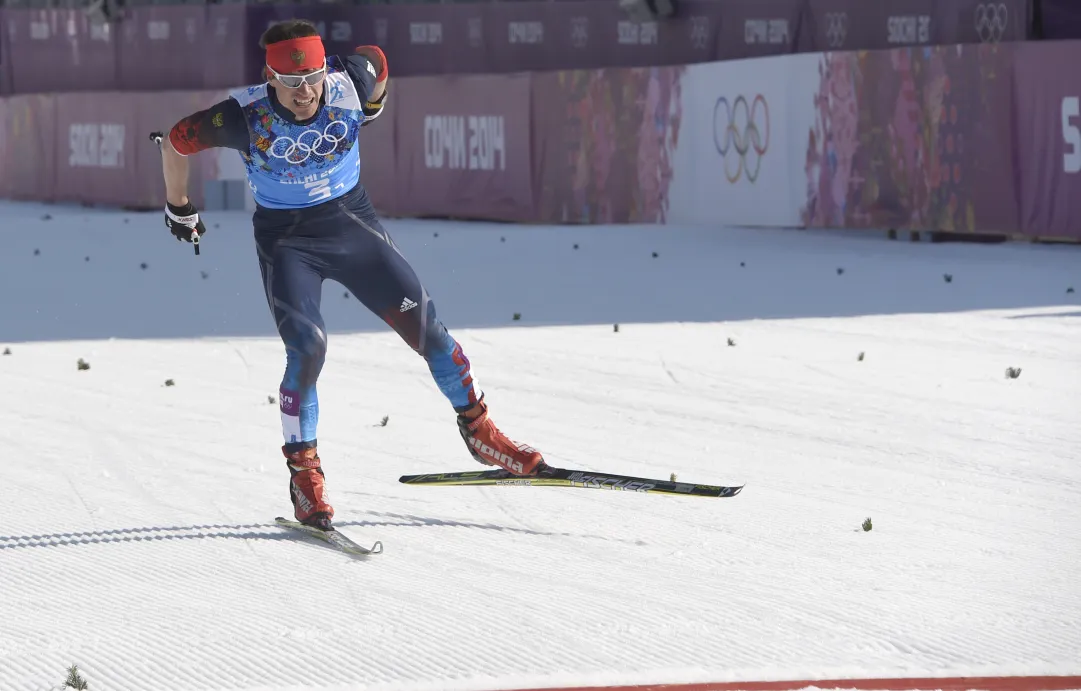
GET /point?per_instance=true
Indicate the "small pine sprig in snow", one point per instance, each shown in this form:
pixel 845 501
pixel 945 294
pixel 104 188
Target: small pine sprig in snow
pixel 74 680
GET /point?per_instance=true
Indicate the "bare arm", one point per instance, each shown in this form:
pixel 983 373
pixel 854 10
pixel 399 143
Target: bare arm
pixel 221 125
pixel 175 168
pixel 377 92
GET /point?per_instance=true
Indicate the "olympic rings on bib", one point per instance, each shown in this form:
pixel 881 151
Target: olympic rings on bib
pixel 308 142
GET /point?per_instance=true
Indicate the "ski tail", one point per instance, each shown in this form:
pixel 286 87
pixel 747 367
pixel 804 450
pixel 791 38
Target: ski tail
pixel 334 538
pixel 563 477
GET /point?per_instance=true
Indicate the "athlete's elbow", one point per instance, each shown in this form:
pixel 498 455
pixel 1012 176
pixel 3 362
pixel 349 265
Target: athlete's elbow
pixel 378 91
pixel 182 140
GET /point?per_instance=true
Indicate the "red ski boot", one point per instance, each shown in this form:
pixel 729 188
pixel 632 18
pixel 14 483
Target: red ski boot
pixel 491 447
pixel 307 488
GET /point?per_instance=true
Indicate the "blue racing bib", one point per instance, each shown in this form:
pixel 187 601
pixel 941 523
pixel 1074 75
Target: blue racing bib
pixel 292 166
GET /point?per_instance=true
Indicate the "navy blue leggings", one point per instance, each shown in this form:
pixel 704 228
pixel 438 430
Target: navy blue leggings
pixel 297 252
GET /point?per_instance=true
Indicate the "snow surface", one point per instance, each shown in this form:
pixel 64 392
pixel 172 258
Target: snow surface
pixel 136 537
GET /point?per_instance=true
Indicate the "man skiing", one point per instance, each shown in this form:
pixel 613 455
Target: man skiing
pixel 297 135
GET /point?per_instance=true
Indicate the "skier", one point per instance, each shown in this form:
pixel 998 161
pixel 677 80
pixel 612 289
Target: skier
pixel 297 135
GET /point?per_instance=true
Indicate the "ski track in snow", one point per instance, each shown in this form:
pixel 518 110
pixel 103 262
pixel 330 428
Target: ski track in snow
pixel 137 537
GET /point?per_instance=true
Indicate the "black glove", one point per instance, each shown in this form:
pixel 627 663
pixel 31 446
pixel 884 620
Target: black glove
pixel 182 220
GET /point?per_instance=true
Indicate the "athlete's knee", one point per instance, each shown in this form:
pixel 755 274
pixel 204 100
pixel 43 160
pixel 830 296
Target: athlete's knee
pixel 438 340
pixel 309 351
pixel 305 354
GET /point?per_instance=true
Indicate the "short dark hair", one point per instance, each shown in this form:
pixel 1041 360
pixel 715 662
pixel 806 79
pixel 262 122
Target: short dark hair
pixel 285 30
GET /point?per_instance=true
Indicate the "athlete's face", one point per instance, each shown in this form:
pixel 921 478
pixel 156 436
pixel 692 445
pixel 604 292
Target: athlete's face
pixel 303 100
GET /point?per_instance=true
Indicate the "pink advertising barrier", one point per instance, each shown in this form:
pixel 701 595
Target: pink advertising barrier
pixel 462 147
pixel 1047 100
pixel 93 148
pixel 914 139
pixel 961 139
pixel 28 147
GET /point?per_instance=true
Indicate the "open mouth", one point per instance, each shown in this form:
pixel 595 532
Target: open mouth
pixel 304 102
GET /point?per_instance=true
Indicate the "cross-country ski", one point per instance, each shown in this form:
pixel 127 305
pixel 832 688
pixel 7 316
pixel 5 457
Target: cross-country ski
pixel 562 477
pixel 333 537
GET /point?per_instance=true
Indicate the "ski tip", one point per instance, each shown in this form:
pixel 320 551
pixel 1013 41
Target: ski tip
pixel 377 548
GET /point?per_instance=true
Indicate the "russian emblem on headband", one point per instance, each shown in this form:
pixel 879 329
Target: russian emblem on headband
pixel 297 56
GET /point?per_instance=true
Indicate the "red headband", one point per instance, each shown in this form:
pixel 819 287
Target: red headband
pixel 295 54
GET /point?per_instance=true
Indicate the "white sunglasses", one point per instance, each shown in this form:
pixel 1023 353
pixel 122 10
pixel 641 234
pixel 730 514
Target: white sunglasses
pixel 293 81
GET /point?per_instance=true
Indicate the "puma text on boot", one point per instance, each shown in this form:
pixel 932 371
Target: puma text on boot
pixel 491 447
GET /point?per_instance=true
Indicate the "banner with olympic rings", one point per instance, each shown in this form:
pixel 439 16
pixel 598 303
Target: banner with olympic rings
pixel 741 141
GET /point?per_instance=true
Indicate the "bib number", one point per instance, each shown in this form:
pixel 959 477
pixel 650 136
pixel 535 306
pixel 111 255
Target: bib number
pixel 318 189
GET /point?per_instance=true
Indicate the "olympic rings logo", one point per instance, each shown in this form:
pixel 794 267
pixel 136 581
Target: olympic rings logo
pixel 320 143
pixel 836 28
pixel 991 21
pixel 739 131
pixel 579 31
pixel 700 32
